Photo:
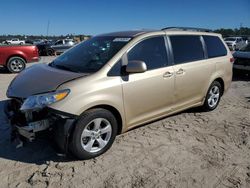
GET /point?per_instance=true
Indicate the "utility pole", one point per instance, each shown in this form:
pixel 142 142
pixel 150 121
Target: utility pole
pixel 241 25
pixel 48 28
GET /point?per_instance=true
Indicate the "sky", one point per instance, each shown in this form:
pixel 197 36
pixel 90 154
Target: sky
pixel 31 17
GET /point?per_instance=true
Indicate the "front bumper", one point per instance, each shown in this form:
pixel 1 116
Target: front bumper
pixel 241 63
pixel 242 67
pixel 29 125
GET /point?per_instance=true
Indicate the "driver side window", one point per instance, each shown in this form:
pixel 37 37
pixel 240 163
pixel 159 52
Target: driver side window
pixel 152 51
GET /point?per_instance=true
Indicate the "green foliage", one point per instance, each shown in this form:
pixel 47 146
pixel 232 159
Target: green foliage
pixel 243 31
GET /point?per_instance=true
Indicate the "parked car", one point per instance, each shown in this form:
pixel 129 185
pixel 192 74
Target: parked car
pixel 28 41
pixel 14 58
pixel 242 59
pixel 14 41
pixel 61 46
pixel 235 43
pixel 114 82
pixel 246 39
pixel 44 48
pixel 38 41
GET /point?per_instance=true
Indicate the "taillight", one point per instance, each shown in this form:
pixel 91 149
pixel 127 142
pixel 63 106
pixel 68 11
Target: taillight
pixel 35 51
pixel 232 60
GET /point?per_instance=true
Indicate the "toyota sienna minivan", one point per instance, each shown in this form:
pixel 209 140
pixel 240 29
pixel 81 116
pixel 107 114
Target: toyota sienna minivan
pixel 114 82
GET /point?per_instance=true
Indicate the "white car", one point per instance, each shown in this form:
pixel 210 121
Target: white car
pixel 235 43
pixel 15 41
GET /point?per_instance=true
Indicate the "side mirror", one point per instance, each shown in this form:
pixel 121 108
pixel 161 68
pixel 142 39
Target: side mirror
pixel 136 66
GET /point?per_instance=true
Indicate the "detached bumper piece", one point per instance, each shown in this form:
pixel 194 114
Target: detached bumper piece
pixel 33 127
pixel 31 124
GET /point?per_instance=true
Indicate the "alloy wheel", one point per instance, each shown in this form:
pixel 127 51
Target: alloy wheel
pixel 16 65
pixel 214 95
pixel 96 135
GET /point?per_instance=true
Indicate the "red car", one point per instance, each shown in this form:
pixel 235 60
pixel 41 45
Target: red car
pixel 14 58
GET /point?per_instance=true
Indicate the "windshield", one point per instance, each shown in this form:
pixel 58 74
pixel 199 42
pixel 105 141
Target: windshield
pixel 246 48
pixel 91 55
pixel 230 39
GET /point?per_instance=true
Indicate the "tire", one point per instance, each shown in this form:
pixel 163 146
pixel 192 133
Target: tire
pixel 21 43
pixel 213 96
pixel 50 52
pixel 16 64
pixel 89 141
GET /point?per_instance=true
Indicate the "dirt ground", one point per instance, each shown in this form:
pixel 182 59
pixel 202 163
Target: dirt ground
pixel 190 149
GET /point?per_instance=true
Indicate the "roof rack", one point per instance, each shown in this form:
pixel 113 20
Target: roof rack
pixel 186 29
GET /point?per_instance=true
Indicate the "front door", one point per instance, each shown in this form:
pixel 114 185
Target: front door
pixel 148 95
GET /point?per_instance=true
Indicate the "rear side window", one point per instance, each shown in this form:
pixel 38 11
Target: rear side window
pixel 186 48
pixel 152 51
pixel 215 47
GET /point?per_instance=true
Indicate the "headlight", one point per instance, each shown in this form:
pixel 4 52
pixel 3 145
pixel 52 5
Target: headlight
pixel 40 101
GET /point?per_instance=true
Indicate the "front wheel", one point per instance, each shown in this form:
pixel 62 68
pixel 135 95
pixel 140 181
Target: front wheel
pixel 213 96
pixel 94 133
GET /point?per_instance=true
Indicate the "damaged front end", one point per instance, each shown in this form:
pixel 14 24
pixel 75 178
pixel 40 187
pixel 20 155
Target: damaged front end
pixel 31 123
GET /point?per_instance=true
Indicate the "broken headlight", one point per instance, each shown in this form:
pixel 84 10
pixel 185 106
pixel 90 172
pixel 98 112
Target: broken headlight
pixel 40 101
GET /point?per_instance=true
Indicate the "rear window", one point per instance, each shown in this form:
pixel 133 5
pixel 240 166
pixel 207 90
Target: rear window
pixel 186 48
pixel 215 47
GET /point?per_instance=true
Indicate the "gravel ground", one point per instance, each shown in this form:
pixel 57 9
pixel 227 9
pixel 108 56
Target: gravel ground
pixel 190 149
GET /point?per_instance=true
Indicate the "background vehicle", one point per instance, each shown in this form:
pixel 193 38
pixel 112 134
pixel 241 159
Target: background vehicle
pixel 61 46
pixel 44 48
pixel 246 39
pixel 114 82
pixel 235 43
pixel 38 41
pixel 242 59
pixel 15 41
pixel 15 57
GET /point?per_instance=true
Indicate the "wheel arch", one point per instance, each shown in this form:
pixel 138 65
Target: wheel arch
pixel 221 81
pixel 218 79
pixel 16 55
pixel 114 111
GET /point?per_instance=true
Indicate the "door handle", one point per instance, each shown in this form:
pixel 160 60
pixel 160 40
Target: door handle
pixel 180 71
pixel 168 74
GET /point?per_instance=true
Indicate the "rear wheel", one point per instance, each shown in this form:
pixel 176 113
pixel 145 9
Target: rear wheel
pixel 94 133
pixel 16 64
pixel 50 52
pixel 213 96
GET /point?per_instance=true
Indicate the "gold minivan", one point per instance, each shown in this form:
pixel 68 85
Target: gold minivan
pixel 114 82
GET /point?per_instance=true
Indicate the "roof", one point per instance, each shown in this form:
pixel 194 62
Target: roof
pixel 132 33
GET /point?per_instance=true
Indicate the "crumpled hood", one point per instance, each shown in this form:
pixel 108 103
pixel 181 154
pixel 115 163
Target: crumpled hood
pixel 241 54
pixel 39 78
